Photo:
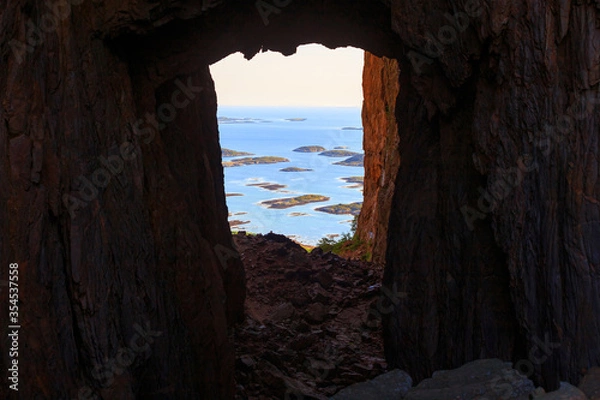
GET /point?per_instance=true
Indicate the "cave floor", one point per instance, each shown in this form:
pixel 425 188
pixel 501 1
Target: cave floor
pixel 311 323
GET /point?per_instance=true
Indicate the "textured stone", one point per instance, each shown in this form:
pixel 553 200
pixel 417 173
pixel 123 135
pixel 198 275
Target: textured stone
pixel 380 87
pixel 565 392
pixel 391 385
pixel 496 109
pixel 283 311
pixel 492 111
pixel 482 379
pixel 316 312
pixel 590 384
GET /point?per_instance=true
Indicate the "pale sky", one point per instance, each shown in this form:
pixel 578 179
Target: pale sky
pixel 314 76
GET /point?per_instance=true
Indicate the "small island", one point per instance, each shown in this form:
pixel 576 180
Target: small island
pixel 295 169
pixel 295 119
pixel 310 149
pixel 234 153
pixel 227 120
pixel 298 214
pixel 237 222
pixel 351 128
pixel 338 153
pixel 254 160
pixel 268 186
pixel 354 179
pixel 340 147
pixel 294 201
pixel 355 161
pixel 340 209
pixel 233 194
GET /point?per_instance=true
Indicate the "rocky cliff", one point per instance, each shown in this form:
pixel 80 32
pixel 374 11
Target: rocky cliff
pixel 112 204
pixel 380 142
pixel 494 223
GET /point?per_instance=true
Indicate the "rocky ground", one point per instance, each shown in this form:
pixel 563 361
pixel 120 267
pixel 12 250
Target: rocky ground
pixel 308 329
pixel 313 330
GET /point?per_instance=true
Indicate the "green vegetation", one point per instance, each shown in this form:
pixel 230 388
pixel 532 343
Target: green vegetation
pixel 295 169
pixel 295 201
pixel 338 209
pixel 335 246
pixel 234 153
pixel 354 161
pixel 310 149
pixel 243 232
pixel 347 244
pixel 338 153
pixel 254 160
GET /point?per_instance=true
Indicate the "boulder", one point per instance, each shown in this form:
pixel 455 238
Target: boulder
pixel 391 385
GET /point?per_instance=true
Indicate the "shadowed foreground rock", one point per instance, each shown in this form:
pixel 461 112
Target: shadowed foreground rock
pixel 590 384
pixel 488 379
pixel 391 385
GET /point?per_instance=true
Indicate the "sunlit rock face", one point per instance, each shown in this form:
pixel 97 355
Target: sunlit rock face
pixel 381 87
pixel 112 203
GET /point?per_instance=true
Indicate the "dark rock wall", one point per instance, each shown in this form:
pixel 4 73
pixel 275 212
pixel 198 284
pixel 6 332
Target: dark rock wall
pixel 504 120
pixel 107 251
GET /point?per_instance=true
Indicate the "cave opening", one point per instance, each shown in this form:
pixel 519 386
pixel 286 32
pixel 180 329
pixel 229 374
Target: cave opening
pixel 291 137
pixel 313 323
pixel 310 316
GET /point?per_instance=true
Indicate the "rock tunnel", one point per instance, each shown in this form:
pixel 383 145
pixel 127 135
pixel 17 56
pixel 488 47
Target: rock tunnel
pixel 481 127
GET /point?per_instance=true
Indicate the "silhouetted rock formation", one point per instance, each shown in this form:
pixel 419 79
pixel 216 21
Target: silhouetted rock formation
pixel 112 202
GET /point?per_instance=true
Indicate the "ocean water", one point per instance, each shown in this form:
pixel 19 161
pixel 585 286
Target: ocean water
pixel 267 132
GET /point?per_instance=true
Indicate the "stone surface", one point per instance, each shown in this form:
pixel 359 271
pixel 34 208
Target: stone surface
pixel 487 275
pixel 590 384
pixel 565 392
pixel 391 385
pixel 324 356
pixel 381 87
pixel 283 311
pixel 106 245
pixel 316 312
pixel 487 379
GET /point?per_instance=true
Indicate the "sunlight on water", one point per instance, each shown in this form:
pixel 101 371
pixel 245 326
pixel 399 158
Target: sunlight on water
pixel 276 132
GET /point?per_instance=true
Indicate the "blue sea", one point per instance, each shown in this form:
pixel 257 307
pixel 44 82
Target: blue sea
pixel 270 132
